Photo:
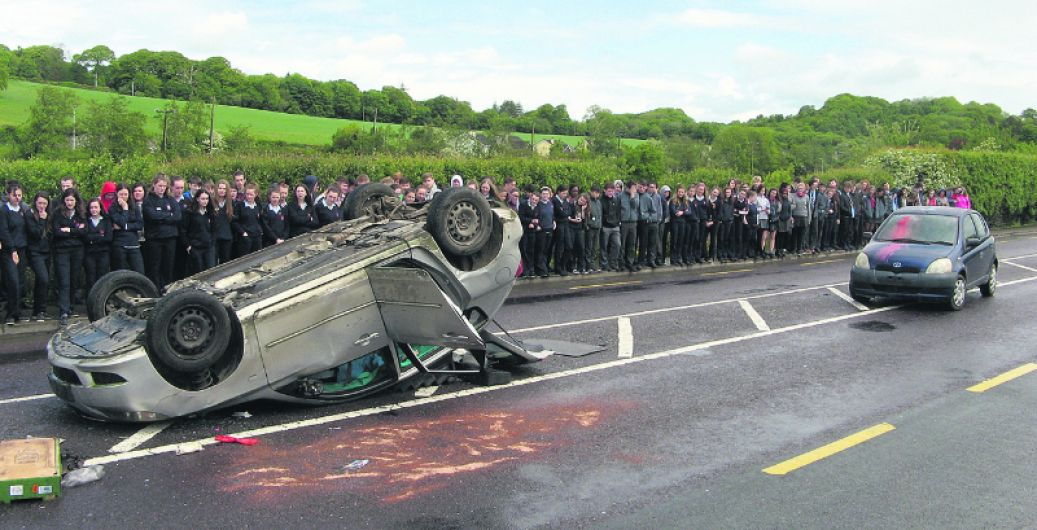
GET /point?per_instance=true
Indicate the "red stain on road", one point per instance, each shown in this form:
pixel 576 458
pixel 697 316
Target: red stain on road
pixel 408 458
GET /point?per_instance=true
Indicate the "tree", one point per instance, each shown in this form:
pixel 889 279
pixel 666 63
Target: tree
pixel 645 161
pixel 357 140
pixel 751 150
pixel 112 129
pixel 41 63
pixel 187 127
pixel 6 60
pixel 50 123
pixel 345 99
pixel 239 138
pixel 603 127
pixel 95 60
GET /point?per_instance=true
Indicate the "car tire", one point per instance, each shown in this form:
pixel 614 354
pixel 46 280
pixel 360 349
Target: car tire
pixel 109 292
pixel 367 200
pixel 990 288
pixel 188 331
pixel 958 295
pixel 460 220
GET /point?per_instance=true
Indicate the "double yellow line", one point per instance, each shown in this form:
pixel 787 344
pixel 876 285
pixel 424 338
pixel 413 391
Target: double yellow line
pixel 875 431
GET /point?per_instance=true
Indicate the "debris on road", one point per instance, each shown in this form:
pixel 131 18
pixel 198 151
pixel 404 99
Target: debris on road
pixel 356 464
pixel 30 469
pixel 83 475
pixel 189 447
pixel 223 438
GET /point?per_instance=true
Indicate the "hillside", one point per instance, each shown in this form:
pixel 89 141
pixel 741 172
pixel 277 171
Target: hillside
pixel 264 125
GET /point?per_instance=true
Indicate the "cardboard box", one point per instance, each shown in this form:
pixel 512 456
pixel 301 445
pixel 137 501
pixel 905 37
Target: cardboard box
pixel 30 469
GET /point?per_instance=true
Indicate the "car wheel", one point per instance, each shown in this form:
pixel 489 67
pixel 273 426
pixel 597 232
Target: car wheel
pixel 188 331
pixel 988 289
pixel 114 291
pixel 957 299
pixel 368 199
pixel 460 220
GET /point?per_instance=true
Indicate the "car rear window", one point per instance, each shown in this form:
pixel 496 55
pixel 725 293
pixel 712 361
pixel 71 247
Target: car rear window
pixel 919 228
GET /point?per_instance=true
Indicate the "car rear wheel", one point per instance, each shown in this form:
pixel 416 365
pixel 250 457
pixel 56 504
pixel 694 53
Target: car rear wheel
pixel 115 291
pixel 188 331
pixel 369 199
pixel 990 288
pixel 957 299
pixel 460 220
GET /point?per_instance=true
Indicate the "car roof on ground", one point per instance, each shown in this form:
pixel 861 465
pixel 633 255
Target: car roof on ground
pixel 935 210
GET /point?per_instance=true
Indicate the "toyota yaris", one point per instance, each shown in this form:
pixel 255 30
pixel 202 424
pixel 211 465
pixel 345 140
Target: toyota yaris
pixel 927 254
pixel 353 308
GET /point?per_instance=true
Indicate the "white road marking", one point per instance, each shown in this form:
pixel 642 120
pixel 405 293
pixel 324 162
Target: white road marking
pixel 669 309
pixel 758 320
pixel 849 299
pixel 426 392
pixel 322 420
pixel 25 398
pixel 1006 262
pixel 626 337
pixel 140 437
pixel 1024 256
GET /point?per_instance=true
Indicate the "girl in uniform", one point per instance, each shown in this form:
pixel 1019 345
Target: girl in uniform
pixel 223 216
pixel 300 214
pixel 124 213
pixel 13 242
pixel 275 226
pixel 67 228
pixel 679 206
pixel 199 232
pixel 161 227
pixel 98 242
pixel 247 227
pixel 37 225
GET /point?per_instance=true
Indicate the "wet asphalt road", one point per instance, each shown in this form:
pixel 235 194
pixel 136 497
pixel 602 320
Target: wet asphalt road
pixel 675 436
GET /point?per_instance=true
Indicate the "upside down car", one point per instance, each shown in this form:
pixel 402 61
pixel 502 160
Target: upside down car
pixel 388 296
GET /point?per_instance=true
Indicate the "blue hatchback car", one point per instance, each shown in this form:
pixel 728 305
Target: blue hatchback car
pixel 927 254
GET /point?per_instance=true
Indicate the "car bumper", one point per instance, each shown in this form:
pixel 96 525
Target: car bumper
pixel 903 286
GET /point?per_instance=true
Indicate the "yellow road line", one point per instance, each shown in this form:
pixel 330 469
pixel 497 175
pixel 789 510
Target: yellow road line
pixel 1003 378
pixel 613 284
pixel 724 272
pixel 825 451
pixel 822 261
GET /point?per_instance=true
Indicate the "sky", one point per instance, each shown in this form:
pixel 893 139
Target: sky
pixel 718 61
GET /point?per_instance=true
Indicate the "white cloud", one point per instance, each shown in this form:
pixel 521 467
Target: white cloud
pixel 716 18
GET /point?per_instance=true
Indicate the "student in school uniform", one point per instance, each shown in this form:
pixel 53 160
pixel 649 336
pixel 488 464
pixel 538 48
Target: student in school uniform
pixel 327 208
pixel 14 240
pixel 300 213
pixel 749 226
pixel 97 241
pixel 712 225
pixel 275 226
pixel 67 229
pixel 223 217
pixel 528 241
pixel 696 219
pixel 37 226
pixel 199 232
pixel 679 207
pixel 161 230
pixel 126 226
pixel 248 230
pixel 725 220
pixel 544 219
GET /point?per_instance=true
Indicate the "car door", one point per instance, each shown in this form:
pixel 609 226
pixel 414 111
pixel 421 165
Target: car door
pixel 320 328
pixel 417 312
pixel 972 257
pixel 986 248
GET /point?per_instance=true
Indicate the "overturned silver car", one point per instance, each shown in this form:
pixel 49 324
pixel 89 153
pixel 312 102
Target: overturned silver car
pixel 353 308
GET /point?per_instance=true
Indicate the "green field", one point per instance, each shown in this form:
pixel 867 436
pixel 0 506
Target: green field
pixel 264 125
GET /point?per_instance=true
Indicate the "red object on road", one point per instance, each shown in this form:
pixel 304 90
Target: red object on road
pixel 235 440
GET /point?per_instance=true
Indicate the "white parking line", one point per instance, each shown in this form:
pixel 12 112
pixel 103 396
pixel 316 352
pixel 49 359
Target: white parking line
pixel 758 320
pixel 1006 262
pixel 322 420
pixel 1024 256
pixel 849 299
pixel 140 437
pixel 25 398
pixel 425 392
pixel 626 337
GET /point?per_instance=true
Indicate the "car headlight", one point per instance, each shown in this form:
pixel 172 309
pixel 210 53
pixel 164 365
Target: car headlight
pixel 940 266
pixel 862 261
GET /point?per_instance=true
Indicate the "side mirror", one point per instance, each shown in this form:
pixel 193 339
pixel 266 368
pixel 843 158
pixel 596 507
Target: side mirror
pixel 867 236
pixel 972 242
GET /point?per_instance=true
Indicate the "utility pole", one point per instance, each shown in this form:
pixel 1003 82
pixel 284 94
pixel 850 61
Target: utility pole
pixel 165 120
pixel 212 124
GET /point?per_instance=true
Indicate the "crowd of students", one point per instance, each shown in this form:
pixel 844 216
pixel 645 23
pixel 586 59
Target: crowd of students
pixel 637 224
pixel 173 227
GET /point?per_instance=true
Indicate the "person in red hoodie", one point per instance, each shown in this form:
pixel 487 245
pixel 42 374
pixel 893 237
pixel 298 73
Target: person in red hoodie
pixel 107 195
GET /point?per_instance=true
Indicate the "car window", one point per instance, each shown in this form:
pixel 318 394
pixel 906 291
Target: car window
pixel 970 227
pixel 919 228
pixel 981 225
